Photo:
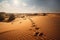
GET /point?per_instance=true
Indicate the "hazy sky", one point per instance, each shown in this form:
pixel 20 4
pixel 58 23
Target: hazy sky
pixel 29 6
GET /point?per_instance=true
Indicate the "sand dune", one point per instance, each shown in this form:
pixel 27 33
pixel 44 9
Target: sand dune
pixel 31 28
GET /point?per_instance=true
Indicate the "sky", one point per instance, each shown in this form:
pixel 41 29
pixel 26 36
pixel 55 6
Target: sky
pixel 30 6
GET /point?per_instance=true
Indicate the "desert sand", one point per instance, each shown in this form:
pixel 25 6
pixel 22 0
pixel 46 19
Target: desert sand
pixel 31 28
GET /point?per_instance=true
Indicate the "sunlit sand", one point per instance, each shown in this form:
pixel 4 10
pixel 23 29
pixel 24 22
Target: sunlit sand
pixel 29 28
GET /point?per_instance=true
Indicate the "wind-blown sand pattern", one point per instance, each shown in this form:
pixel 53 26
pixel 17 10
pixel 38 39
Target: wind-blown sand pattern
pixel 31 28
